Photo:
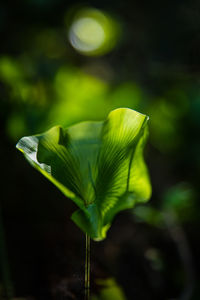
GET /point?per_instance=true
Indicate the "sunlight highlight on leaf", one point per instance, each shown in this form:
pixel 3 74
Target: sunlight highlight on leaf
pixel 99 165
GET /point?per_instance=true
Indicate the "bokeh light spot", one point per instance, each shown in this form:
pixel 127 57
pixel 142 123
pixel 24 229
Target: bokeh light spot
pixel 93 32
pixel 86 34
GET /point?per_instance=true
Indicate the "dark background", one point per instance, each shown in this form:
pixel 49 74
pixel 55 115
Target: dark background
pixel 152 251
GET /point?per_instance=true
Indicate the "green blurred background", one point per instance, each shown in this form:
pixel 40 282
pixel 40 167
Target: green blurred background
pixel 62 62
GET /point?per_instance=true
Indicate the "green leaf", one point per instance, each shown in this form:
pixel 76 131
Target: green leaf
pixel 99 165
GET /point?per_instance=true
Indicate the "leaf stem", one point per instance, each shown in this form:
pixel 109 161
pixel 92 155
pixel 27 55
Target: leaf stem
pixel 87 267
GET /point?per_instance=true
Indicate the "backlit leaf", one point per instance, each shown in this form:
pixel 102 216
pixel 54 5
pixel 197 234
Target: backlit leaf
pixel 99 165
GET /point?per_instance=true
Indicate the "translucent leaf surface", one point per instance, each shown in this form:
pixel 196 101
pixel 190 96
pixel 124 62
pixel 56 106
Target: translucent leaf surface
pixel 99 165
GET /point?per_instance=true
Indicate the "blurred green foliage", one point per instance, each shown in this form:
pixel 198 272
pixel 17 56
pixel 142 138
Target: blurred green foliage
pixel 71 94
pixel 179 200
pixel 109 289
